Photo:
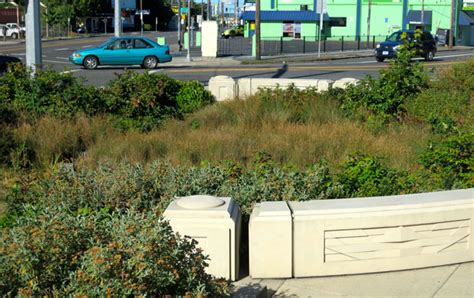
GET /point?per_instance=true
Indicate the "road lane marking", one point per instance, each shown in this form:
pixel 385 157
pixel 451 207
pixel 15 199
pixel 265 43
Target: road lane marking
pixel 62 49
pixel 87 46
pixel 70 71
pixel 54 61
pixel 155 71
pixel 457 55
pixel 18 54
pixel 62 58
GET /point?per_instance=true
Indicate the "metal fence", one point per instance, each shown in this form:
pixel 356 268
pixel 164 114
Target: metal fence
pixel 309 44
pixel 238 46
pixel 271 46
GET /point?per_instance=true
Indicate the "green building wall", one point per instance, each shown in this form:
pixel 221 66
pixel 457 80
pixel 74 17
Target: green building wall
pixel 386 17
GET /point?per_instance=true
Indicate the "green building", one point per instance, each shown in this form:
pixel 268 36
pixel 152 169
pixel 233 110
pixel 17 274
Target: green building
pixel 360 18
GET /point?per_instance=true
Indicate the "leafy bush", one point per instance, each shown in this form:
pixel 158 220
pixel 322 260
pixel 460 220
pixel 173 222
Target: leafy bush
pixel 143 101
pixel 123 186
pixel 52 252
pixel 192 96
pixel 387 95
pixel 364 175
pixel 451 161
pixel 447 104
pixel 49 91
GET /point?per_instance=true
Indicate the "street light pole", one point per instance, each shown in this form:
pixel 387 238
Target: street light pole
pixel 117 17
pixel 33 35
pixel 188 56
pixel 180 47
pixel 321 24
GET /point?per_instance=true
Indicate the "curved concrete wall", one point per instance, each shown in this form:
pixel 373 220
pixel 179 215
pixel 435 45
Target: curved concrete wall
pixel 365 235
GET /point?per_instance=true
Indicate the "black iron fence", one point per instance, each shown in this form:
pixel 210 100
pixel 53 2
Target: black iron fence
pixel 238 46
pixel 271 46
pixel 283 45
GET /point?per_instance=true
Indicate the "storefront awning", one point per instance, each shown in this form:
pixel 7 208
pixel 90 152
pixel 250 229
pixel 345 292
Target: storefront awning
pixel 284 15
pixel 414 17
pixel 465 19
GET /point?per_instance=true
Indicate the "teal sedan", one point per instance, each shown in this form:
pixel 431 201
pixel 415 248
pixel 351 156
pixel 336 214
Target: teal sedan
pixel 123 51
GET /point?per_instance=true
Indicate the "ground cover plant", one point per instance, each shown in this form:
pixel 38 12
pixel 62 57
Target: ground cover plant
pixel 86 176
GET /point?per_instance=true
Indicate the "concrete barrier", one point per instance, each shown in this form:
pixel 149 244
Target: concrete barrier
pixel 223 88
pixel 270 235
pixel 367 235
pixel 215 224
pixel 345 82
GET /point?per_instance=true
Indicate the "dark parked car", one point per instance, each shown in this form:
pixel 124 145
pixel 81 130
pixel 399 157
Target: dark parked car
pixel 389 48
pixel 5 61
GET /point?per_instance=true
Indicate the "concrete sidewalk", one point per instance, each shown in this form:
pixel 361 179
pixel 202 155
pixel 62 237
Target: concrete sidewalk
pixel 445 281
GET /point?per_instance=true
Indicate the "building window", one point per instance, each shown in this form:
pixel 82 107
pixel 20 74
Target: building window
pixel 288 29
pixel 292 29
pixel 304 7
pixel 338 22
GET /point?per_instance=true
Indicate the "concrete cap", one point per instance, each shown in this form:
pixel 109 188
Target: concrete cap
pixel 199 202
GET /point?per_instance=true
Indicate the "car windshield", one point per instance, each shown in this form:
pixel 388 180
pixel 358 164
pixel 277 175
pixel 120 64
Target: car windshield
pixel 397 36
pixel 105 43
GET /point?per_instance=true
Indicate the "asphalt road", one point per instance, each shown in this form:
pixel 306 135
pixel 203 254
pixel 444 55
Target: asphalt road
pixel 56 53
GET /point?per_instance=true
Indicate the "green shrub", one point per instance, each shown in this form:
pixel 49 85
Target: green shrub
pixel 451 161
pixel 387 95
pixel 192 96
pixel 123 186
pixel 49 91
pixel 447 104
pixel 364 175
pixel 52 252
pixel 143 101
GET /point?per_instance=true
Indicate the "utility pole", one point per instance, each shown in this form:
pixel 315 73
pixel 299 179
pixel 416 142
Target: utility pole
pixel 321 24
pixel 141 17
pixel 179 26
pixel 208 10
pixel 33 35
pixel 451 27
pixel 422 14
pixel 188 56
pixel 369 14
pixel 257 30
pixel 118 19
pixel 236 12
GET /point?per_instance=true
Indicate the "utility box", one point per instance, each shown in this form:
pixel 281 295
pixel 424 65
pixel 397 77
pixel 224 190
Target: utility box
pixel 161 40
pixel 223 88
pixel 271 241
pixel 214 222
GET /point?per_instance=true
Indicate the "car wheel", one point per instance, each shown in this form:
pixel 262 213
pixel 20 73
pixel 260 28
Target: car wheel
pixel 150 62
pixel 14 35
pixel 90 62
pixel 429 56
pixel 379 59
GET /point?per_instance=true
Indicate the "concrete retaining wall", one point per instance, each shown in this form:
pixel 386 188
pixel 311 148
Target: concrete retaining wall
pixel 225 88
pixel 363 235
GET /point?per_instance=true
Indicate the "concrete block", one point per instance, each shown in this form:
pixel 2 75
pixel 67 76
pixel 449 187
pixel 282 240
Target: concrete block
pixel 365 235
pixel 324 85
pixel 345 82
pixel 250 86
pixel 209 31
pixel 270 241
pixel 213 222
pixel 223 88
